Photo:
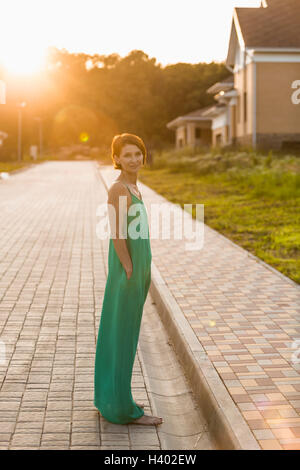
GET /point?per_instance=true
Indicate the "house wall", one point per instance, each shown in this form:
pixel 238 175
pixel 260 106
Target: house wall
pixel 220 121
pixel 220 129
pixel 278 118
pixel 190 133
pixel 232 121
pixel 185 135
pixel 251 79
pixel 246 140
pixel 244 83
pixel 180 137
pixel 220 136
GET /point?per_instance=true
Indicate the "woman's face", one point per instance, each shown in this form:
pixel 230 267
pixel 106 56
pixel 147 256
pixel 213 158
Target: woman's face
pixel 131 158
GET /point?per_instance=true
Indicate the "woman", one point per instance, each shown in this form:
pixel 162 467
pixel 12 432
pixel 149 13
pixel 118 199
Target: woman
pixel 127 285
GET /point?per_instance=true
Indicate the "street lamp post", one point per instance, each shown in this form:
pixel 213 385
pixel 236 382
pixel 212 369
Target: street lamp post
pixel 39 120
pixel 2 92
pixel 20 106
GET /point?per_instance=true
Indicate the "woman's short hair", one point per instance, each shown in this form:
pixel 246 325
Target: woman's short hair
pixel 118 143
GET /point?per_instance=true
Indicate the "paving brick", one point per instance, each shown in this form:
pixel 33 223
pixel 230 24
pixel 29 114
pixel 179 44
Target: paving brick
pixel 47 319
pixel 255 306
pixel 243 314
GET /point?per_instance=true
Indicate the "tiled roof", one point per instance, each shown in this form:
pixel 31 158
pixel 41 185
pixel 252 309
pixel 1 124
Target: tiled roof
pixel 196 115
pixel 278 25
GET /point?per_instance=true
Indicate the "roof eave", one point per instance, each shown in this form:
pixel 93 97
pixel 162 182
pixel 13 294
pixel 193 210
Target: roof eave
pixel 215 111
pixel 219 86
pixel 273 49
pixel 182 119
pixel 235 35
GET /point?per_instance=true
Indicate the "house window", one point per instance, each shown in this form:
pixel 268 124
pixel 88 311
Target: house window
pixel 197 133
pixel 180 143
pixel 245 106
pixel 185 135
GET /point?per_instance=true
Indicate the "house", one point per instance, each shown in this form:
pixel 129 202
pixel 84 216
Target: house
pixel 222 126
pixel 192 129
pixel 254 106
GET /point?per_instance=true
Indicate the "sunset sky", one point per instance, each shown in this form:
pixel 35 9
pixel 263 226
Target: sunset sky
pixel 170 30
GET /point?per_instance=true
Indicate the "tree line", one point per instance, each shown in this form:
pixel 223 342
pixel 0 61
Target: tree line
pixel 90 98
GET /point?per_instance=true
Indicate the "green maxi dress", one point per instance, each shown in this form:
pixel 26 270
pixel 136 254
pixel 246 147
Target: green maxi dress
pixel 120 321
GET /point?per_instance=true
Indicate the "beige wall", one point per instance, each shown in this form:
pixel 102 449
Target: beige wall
pixel 275 111
pixel 224 132
pixel 250 71
pixel 238 84
pixel 243 82
pixel 180 135
pixel 232 110
pixel 190 133
pixel 187 134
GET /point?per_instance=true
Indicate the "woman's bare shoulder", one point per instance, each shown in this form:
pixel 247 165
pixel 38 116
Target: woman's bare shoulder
pixel 117 189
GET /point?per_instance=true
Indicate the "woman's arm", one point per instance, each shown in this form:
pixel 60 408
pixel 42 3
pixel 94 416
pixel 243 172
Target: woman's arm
pixel 114 198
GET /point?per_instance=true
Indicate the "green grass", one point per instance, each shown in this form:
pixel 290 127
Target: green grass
pixel 253 199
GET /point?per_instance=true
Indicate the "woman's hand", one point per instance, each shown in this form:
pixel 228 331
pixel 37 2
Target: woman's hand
pixel 128 269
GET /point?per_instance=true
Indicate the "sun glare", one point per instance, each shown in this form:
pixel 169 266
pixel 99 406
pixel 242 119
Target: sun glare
pixel 25 60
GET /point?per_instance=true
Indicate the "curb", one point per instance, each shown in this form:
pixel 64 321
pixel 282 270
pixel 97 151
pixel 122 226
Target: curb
pixel 225 422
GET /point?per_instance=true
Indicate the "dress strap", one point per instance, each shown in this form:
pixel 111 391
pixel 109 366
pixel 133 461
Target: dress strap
pixel 140 199
pixel 127 187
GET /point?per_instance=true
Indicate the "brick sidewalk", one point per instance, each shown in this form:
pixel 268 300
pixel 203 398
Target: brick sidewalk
pixel 52 280
pixel 246 317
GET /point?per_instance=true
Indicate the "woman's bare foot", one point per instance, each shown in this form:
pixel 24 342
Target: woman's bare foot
pixel 141 405
pixel 148 420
